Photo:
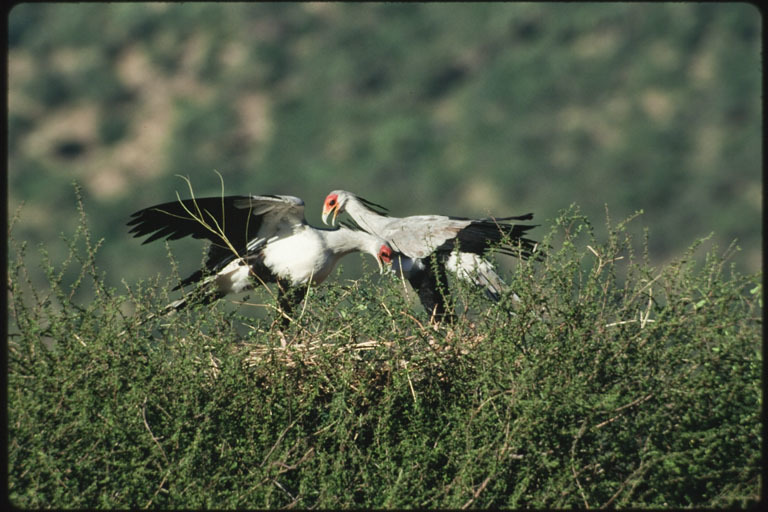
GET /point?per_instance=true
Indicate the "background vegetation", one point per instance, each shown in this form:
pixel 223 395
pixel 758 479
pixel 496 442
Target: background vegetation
pixel 629 376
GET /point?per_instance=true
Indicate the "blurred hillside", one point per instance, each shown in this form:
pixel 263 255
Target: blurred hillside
pixel 462 109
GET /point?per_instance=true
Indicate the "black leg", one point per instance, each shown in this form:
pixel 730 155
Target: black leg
pixel 288 297
pixel 431 285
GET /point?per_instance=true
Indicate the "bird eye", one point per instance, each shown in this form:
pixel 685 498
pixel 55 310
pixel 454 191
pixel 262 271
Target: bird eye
pixel 331 202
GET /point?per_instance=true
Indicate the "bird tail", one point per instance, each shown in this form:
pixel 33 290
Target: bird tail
pixel 202 294
pixel 509 239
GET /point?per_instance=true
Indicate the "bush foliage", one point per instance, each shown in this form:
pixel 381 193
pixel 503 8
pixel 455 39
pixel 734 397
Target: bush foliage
pixel 611 384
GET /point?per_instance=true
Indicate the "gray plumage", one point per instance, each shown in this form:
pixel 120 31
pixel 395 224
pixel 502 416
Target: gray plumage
pixel 420 236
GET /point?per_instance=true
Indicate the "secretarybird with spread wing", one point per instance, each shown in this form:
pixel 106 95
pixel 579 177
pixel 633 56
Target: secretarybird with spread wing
pixel 418 237
pixel 255 240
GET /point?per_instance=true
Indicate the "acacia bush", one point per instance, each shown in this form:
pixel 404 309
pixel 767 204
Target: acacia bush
pixel 611 383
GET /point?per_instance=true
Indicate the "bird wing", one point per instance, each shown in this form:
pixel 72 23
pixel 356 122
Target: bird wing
pixel 419 236
pixel 281 216
pixel 233 224
pixel 291 208
pixel 480 235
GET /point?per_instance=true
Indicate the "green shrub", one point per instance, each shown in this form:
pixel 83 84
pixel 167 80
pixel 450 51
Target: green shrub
pixel 612 383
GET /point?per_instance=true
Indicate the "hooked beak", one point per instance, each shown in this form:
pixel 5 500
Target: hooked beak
pixel 327 212
pixel 386 261
pixel 381 266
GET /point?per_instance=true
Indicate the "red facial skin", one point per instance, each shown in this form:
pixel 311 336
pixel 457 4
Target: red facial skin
pixel 385 254
pixel 330 202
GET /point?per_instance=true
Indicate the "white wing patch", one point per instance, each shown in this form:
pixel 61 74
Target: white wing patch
pixel 235 277
pixel 281 217
pixel 403 265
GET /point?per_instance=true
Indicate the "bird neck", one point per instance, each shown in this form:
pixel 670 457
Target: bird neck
pixel 343 241
pixel 368 219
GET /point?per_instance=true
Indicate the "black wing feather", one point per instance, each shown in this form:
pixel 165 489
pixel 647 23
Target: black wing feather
pixel 480 235
pixel 375 208
pixel 177 219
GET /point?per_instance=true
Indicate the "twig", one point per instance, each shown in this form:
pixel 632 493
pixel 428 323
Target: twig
pixel 573 455
pixel 306 294
pixel 625 322
pixel 635 476
pixel 625 406
pixel 644 320
pixel 421 326
pixel 477 492
pixel 280 486
pixel 402 277
pixel 146 424
pixel 279 438
pixel 410 384
pixel 159 488
pixel 600 262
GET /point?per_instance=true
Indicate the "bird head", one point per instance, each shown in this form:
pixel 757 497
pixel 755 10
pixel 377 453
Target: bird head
pixel 334 203
pixel 385 256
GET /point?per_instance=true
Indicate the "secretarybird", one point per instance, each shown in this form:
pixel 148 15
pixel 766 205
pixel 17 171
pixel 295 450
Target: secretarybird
pixel 418 237
pixel 254 240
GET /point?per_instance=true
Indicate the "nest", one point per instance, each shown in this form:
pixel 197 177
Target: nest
pixel 426 351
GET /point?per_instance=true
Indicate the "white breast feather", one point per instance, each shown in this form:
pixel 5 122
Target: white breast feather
pixel 298 258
